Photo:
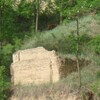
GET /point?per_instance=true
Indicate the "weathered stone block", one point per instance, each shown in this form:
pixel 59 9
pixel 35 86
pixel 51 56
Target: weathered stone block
pixel 39 65
pixel 35 66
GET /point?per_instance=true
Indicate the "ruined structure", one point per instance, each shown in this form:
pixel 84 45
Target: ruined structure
pixel 39 65
pixel 35 66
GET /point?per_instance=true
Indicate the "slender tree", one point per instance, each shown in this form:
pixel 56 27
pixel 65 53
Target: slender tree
pixel 61 12
pixel 37 14
pixel 59 4
pixel 1 20
pixel 77 52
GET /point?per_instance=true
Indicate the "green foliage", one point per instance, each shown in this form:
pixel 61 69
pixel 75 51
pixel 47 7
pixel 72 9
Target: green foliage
pixel 98 74
pixel 96 88
pixel 17 43
pixel 65 44
pixel 25 18
pixel 7 24
pixel 7 49
pixel 95 5
pixel 4 83
pixel 95 43
pixel 79 7
pixel 6 54
pixel 71 42
pixel 25 9
pixel 5 61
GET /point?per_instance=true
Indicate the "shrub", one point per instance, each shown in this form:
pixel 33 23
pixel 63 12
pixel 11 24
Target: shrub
pixel 95 43
pixel 4 83
pixel 17 43
pixel 96 88
pixel 6 53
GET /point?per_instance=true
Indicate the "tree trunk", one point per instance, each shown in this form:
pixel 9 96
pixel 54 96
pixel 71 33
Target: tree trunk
pixel 77 54
pixel 61 19
pixel 1 23
pixel 37 15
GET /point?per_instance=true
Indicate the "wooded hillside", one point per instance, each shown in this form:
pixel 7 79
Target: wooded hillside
pixel 49 24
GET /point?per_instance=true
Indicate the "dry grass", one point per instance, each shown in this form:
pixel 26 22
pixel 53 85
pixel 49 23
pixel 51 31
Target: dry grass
pixel 53 91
